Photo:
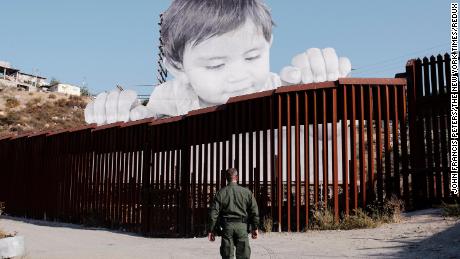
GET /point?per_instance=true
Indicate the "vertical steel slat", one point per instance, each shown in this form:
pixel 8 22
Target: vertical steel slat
pixel 335 173
pixel 244 131
pixel 370 145
pixel 354 180
pixel 260 192
pixel 105 192
pixel 250 132
pixel 435 115
pixel 237 130
pixel 396 152
pixel 220 156
pixel 214 141
pixel 315 151
pixel 362 157
pixel 288 160
pixel 297 162
pixel 205 179
pixel 346 195
pixel 404 152
pixel 388 182
pixel 443 124
pixel 325 150
pixel 427 113
pixel 279 172
pixel 271 161
pixel 306 158
pixel 379 147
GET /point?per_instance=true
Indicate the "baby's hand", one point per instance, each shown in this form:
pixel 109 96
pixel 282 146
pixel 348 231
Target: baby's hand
pixel 115 106
pixel 316 65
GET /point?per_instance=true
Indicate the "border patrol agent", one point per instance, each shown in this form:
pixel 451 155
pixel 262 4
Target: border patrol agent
pixel 235 209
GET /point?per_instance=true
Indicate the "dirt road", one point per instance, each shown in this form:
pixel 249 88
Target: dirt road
pixel 423 234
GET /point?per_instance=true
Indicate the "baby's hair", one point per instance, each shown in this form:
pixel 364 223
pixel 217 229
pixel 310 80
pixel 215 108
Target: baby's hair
pixel 192 21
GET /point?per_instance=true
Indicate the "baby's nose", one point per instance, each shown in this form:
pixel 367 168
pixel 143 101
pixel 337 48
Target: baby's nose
pixel 237 73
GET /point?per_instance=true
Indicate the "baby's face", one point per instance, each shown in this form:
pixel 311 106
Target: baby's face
pixel 232 64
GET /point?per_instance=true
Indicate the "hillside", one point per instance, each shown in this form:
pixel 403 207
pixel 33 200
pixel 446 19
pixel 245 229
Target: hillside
pixel 24 112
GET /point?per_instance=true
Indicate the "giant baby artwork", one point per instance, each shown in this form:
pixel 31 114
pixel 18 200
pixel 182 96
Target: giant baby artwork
pixel 215 50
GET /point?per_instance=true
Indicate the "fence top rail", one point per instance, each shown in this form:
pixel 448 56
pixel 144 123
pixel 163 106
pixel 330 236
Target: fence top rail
pixel 303 87
pixel 36 134
pixel 108 126
pixel 6 137
pixel 146 121
pixel 166 120
pixel 372 81
pixel 250 96
pixel 89 126
pixel 205 110
pixel 57 132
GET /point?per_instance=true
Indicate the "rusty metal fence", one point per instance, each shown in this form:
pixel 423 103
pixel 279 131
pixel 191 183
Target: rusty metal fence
pixel 429 86
pixel 343 144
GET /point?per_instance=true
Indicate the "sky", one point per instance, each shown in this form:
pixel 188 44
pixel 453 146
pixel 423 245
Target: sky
pixel 101 44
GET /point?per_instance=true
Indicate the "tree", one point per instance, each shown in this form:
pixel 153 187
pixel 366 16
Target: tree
pixel 85 91
pixel 54 81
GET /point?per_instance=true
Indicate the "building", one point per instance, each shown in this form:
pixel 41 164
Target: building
pixel 15 78
pixel 65 89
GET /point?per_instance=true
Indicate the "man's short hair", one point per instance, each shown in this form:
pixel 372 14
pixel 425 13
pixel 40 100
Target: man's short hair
pixel 232 172
pixel 192 21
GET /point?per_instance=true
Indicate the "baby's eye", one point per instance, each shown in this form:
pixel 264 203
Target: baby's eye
pixel 252 58
pixel 214 67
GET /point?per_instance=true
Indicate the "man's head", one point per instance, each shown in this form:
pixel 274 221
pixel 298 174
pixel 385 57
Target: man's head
pixel 220 47
pixel 232 175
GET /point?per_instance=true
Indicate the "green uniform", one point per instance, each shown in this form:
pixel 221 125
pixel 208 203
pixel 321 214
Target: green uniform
pixel 237 207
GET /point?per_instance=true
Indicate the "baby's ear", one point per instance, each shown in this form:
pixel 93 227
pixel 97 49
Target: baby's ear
pixel 176 71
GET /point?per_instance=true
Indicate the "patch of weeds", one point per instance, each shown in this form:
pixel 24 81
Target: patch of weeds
pixel 267 224
pixel 375 214
pixel 2 207
pixel 323 219
pixel 4 234
pixel 450 210
pixel 11 102
pixel 388 212
pixel 358 219
pixel 34 101
pixel 52 96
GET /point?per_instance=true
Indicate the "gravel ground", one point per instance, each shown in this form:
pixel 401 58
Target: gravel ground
pixel 421 234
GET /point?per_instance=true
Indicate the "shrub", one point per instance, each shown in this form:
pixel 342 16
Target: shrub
pixel 11 102
pixel 323 219
pixel 358 219
pixel 388 212
pixel 267 224
pixel 52 96
pixel 34 101
pixel 376 214
pixel 451 210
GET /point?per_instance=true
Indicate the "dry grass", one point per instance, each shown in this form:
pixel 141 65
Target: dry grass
pixel 389 212
pixel 24 113
pixel 11 102
pixel 267 224
pixel 4 234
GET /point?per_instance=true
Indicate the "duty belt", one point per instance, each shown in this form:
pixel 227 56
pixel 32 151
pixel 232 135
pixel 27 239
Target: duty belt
pixel 243 220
